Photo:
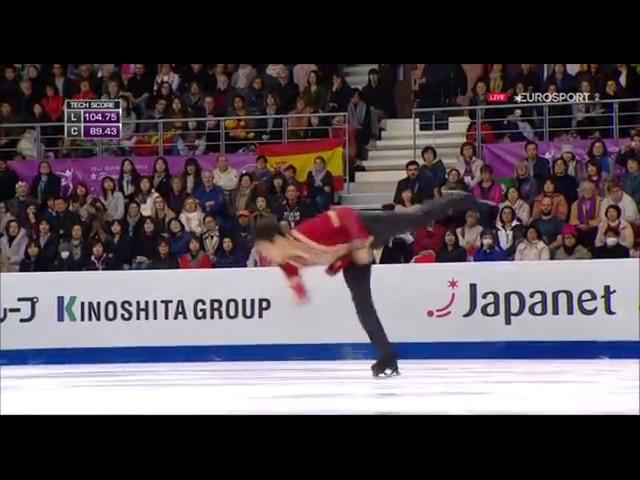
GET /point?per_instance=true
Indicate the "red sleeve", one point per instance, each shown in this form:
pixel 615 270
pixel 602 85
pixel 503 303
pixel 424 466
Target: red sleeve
pixel 295 281
pixel 352 223
pixel 339 265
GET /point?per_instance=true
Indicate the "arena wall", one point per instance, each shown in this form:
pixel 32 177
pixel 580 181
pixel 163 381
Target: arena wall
pixel 583 309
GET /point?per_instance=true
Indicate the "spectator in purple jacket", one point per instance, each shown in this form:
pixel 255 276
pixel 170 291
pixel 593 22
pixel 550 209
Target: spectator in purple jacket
pixel 488 189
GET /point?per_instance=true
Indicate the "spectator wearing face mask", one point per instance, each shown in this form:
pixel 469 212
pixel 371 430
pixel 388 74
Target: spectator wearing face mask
pixel 489 251
pixel 614 222
pixel 570 249
pixel 64 261
pixel 612 247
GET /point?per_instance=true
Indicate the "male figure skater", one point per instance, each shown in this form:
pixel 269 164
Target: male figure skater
pixel 343 239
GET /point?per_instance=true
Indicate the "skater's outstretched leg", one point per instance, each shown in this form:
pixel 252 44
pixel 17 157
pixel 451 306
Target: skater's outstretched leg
pixel 384 226
pixel 358 279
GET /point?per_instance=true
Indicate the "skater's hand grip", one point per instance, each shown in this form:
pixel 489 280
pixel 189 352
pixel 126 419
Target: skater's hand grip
pixel 293 275
pixel 299 291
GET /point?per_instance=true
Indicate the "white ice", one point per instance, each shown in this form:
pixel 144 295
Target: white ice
pixel 345 387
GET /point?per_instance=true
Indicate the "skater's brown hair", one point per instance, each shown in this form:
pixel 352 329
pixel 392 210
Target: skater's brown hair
pixel 267 231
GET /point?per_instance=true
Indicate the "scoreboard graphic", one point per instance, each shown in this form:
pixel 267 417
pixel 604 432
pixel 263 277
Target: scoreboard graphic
pixel 93 119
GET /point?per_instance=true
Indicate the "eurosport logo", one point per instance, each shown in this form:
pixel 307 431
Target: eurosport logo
pixel 556 97
pixel 474 301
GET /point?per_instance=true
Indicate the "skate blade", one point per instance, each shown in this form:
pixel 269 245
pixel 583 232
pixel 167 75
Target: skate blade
pixel 388 373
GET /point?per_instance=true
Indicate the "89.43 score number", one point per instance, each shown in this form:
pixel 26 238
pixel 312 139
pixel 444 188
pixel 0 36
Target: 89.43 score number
pixel 101 131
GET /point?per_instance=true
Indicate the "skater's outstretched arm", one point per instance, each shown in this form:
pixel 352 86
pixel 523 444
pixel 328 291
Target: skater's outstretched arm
pixel 294 278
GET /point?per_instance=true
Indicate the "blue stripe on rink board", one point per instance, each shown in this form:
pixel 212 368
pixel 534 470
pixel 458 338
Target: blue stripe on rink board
pixel 354 351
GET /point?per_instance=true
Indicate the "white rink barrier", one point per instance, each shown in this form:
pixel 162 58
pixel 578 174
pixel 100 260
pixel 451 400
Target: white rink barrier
pixel 581 309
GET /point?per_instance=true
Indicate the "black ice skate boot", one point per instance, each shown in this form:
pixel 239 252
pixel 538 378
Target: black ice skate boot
pixel 386 365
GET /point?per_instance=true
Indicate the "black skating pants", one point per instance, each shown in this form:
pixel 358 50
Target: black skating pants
pixel 358 278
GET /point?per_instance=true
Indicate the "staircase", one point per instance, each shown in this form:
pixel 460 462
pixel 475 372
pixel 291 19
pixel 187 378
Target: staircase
pixel 387 158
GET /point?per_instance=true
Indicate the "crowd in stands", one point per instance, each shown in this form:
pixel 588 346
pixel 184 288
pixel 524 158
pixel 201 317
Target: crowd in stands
pixel 170 94
pixel 195 218
pixel 446 85
pixel 162 97
pixel 561 210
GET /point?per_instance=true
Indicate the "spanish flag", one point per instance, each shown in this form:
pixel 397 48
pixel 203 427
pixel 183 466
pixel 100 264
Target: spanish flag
pixel 302 154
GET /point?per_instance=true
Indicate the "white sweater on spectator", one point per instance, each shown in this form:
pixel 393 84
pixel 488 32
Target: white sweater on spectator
pixel 626 233
pixel 627 205
pixel 227 180
pixel 532 251
pixel 14 253
pixel 115 206
pixel 476 165
pixel 523 210
pixel 469 237
pixel 147 207
pixel 193 221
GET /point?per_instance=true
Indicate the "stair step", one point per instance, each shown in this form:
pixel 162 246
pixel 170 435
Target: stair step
pixel 366 198
pixel 406 124
pixel 399 164
pixel 373 187
pixel 446 153
pixel 407 143
pixel 379 176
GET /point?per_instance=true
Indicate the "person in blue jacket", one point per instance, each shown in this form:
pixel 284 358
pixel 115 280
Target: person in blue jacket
pixel 210 196
pixel 433 165
pixel 489 251
pixel 229 257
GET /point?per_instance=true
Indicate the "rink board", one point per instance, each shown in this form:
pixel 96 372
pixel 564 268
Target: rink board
pixel 583 309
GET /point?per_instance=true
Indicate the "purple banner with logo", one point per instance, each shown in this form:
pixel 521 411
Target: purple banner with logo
pixel 503 156
pixel 91 171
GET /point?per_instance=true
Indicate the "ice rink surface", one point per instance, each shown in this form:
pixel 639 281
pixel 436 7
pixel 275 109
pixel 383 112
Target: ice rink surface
pixel 343 387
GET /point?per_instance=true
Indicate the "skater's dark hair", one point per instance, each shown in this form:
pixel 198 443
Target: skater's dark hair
pixel 267 231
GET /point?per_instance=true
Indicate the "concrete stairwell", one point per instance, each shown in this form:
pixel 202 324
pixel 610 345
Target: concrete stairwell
pixel 387 158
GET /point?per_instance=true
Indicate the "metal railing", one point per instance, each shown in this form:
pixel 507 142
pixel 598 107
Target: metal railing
pixel 535 121
pixel 174 135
